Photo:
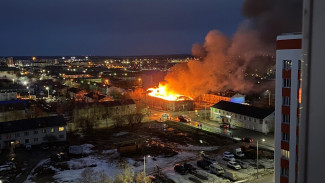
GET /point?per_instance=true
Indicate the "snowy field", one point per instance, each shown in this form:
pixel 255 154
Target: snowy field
pixel 108 161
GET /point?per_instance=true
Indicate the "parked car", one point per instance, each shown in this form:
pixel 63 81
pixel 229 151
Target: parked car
pixel 45 146
pixel 227 153
pixel 190 168
pixel 185 119
pixel 247 139
pixel 209 159
pixel 203 164
pixel 231 175
pixel 216 169
pixel 228 158
pixel 242 164
pixel 28 147
pixel 234 165
pixel 225 126
pixel 180 169
pixel 238 152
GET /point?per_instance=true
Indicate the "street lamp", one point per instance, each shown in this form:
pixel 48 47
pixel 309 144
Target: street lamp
pixel 263 140
pixel 48 91
pixel 269 93
pixel 144 168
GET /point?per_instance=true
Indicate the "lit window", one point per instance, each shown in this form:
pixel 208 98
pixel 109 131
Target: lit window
pixel 43 130
pixel 61 129
pixel 285 154
pixel 52 130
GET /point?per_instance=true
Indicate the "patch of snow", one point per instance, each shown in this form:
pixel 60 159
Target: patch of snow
pixel 86 148
pixel 110 151
pixel 30 176
pixel 120 134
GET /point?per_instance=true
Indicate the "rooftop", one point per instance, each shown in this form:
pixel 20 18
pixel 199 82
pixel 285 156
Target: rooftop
pixel 32 123
pixel 241 109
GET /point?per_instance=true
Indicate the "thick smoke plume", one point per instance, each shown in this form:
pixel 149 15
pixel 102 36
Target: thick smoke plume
pixel 225 61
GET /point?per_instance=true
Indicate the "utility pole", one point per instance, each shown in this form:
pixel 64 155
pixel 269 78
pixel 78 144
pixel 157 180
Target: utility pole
pixel 257 158
pixel 205 111
pixel 144 169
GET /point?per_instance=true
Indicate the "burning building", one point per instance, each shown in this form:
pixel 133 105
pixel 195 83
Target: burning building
pixel 162 98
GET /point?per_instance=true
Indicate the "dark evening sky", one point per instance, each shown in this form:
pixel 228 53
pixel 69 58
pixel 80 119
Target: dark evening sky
pixel 111 27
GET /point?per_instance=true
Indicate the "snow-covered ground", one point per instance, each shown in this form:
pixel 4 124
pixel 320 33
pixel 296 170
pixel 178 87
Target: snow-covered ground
pixel 108 162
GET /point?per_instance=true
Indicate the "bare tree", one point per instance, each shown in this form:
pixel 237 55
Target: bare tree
pixel 138 117
pixel 118 120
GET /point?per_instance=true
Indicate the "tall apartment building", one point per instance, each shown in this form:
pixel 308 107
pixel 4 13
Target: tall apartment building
pixel 288 92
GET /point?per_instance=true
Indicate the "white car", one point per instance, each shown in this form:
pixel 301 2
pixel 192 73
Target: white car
pixel 229 158
pixel 233 165
pixel 216 169
pixel 227 153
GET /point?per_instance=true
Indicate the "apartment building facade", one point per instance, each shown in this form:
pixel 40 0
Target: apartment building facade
pixel 287 102
pixel 33 131
pixel 245 116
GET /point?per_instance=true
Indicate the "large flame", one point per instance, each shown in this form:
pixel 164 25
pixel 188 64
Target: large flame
pixel 164 93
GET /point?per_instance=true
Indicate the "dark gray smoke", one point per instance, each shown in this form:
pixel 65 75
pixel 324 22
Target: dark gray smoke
pixel 273 17
pixel 226 61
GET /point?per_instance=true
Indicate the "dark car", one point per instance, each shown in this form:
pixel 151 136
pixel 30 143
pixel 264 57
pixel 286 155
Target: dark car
pixel 203 164
pixel 242 164
pixel 180 169
pixel 184 119
pixel 224 126
pixel 190 168
pixel 247 139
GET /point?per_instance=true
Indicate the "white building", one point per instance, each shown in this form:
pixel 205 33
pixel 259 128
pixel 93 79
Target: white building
pixel 244 116
pixel 10 95
pixel 32 131
pixel 287 102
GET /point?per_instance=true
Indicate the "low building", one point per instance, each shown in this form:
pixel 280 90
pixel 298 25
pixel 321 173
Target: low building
pixel 244 116
pixel 10 95
pixel 32 131
pixel 76 94
pixel 12 110
pixel 97 97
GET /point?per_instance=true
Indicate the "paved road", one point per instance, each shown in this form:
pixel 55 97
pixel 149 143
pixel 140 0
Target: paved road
pixel 264 179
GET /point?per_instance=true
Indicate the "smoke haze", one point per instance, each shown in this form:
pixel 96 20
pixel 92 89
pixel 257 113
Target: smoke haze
pixel 225 61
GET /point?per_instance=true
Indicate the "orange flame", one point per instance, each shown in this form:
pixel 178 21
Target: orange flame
pixel 164 93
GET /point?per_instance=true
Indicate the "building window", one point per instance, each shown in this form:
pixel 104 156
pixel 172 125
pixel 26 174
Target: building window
pixel 35 139
pixel 26 140
pixel 244 117
pixel 61 129
pixel 36 132
pixel 285 154
pixel 299 64
pixel 52 130
pixel 284 172
pixel 286 83
pixel 61 136
pixel 285 137
pixel 17 134
pixel 43 130
pixel 26 133
pixel 286 101
pixel 8 136
pixel 286 118
pixel 287 64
